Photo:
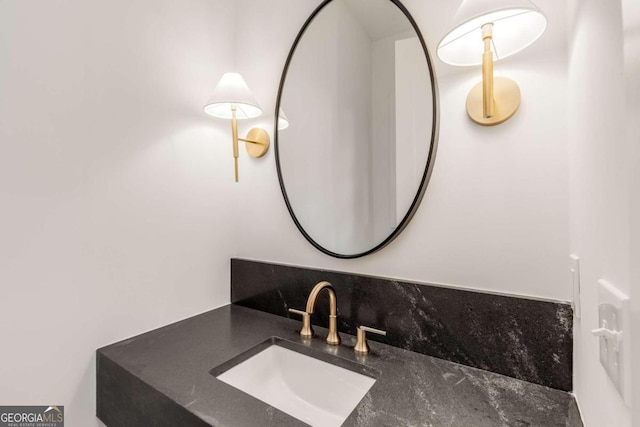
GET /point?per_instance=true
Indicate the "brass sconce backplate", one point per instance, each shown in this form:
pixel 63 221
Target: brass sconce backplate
pixel 257 142
pixel 506 94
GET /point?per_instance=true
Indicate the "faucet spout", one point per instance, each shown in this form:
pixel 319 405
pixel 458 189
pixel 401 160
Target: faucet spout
pixel 311 301
pixel 333 338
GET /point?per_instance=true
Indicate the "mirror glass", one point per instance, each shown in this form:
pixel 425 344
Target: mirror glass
pixel 358 91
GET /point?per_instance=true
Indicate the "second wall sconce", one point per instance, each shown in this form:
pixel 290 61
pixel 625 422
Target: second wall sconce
pixel 499 28
pixel 283 121
pixel 233 100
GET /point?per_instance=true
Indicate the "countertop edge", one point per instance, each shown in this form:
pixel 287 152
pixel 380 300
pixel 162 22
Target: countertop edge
pixel 117 388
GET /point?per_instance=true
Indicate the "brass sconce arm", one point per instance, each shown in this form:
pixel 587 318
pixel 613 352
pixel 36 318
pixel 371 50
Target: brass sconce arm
pixel 488 101
pixel 495 99
pixel 251 141
pixel 257 138
pixel 234 136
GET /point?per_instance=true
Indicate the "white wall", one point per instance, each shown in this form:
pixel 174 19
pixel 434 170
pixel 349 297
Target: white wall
pixel 495 215
pixel 600 191
pixel 116 193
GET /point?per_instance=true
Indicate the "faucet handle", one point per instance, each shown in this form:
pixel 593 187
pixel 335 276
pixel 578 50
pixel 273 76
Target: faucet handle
pixel 361 340
pixel 306 331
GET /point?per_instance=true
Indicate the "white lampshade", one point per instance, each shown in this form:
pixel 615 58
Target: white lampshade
pixel 283 122
pixel 516 24
pixel 232 90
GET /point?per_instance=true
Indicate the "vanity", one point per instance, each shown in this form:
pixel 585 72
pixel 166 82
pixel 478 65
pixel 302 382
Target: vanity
pixel 167 377
pixel 163 378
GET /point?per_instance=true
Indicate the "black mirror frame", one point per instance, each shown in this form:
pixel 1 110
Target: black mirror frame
pixel 432 148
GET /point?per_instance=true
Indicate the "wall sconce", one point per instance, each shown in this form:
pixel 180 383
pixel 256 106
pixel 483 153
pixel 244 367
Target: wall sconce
pixel 500 28
pixel 233 100
pixel 283 122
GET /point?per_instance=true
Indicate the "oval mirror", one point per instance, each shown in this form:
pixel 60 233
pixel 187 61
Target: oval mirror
pixel 358 90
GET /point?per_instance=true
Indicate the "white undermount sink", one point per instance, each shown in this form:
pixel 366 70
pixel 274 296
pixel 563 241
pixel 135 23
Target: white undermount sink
pixel 311 390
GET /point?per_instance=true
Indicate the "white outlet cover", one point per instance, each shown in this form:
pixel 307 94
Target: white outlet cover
pixel 614 313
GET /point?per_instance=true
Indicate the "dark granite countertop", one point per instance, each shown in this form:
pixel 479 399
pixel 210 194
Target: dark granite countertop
pixel 162 378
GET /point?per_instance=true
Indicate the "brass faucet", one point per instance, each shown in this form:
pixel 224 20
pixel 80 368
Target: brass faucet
pixel 333 338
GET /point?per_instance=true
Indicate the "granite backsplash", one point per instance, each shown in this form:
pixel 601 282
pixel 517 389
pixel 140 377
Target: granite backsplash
pixel 524 338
